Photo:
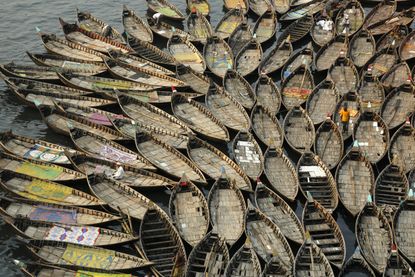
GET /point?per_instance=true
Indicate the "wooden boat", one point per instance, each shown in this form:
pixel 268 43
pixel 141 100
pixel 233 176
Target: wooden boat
pixel 218 56
pixel 249 58
pixel 90 23
pixel 198 26
pixel 329 53
pixel 91 39
pixel 297 30
pixel 304 56
pixel 239 37
pixel 131 176
pixel 239 88
pixel 322 31
pixel 397 76
pixel 384 9
pixel 197 81
pixel 296 88
pixel 372 135
pixel 259 7
pixel 201 6
pixel 407 48
pixel 362 47
pixel 266 238
pixel 295 3
pixel 397 266
pixel 236 4
pixel 189 211
pixel 35 149
pixel 322 101
pixel 150 52
pixel 356 264
pixel 53 213
pixel 211 161
pixel 387 24
pixel 355 15
pixel 266 126
pixel 135 26
pixel 244 262
pixel 303 10
pixel 164 30
pixel 32 72
pixel 393 38
pixel 198 118
pixel 161 242
pixel 274 267
pixel 398 105
pixel 329 143
pixel 266 26
pixel 316 179
pixel 210 256
pixel 37 169
pixel 268 94
pixel 167 9
pixel 281 6
pixel 382 62
pixel 150 115
pixel 402 147
pixel 402 223
pixel 183 51
pixel 279 212
pixel 284 181
pixel 165 157
pixel 70 49
pixel 354 166
pixel 75 256
pixel 299 130
pixel 42 190
pixel 371 90
pixel 229 23
pixel 374 236
pixel 227 209
pixel 247 153
pixel 324 231
pixel 276 59
pixel 310 260
pixel 351 101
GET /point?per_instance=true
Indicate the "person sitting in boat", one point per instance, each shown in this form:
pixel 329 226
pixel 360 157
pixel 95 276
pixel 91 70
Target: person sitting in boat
pixel 346 24
pixel 344 118
pixel 157 17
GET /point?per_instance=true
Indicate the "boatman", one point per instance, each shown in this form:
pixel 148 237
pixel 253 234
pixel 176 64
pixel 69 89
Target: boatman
pixel 157 17
pixel 344 118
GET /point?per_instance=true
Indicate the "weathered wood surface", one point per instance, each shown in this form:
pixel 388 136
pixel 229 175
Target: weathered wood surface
pixel 393 38
pixel 329 143
pixel 402 147
pixel 297 87
pixel 186 53
pixel 236 4
pixel 322 101
pixel 355 14
pixel 397 266
pixel 266 126
pixel 403 223
pixel 198 26
pixel 381 11
pixel 229 23
pixel 249 58
pixel 166 8
pixel 239 37
pixel 371 90
pixel 167 30
pixel 362 48
pixel 301 11
pixel 259 7
pixel 311 261
pixel 323 30
pixel 247 154
pixel 197 81
pixel 398 105
pixel 245 262
pixel 329 53
pixel 299 130
pixel 397 76
pixel 351 101
pixel 304 56
pixel 152 53
pixel 344 75
pixel 276 59
pixel 266 26
pixel 135 26
pixel 268 94
pixel 356 264
pixel 297 30
pixel 382 62
pixel 201 6
pixel 239 88
pixel 218 56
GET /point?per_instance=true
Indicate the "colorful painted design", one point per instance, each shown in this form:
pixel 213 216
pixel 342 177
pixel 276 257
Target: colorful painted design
pixel 88 257
pixel 78 235
pixel 116 155
pixel 39 171
pixel 47 192
pixel 47 154
pixel 297 92
pixel 48 214
pixel 101 119
pixel 81 273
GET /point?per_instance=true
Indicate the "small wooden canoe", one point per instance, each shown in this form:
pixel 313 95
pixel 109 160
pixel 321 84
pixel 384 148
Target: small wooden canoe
pixel 131 176
pixel 384 9
pixel 297 30
pixel 183 51
pixel 275 268
pixel 279 212
pixel 227 209
pixel 323 30
pixel 398 105
pixel 266 26
pixel 165 157
pixel 259 7
pixel 151 52
pixel 351 193
pixel 285 180
pixel 38 169
pixel 371 90
pixel 247 153
pixel 212 161
pixel 296 88
pixel 397 76
pixel 354 15
pixel 322 101
pixel 239 88
pixel 198 118
pixel 32 72
pixel 268 94
pixel 362 47
pixel 201 6
pixel 387 24
pixel 299 130
pixel 218 56
pixel 266 126
pixel 96 145
pixel 249 58
pixel 397 266
pixel 239 37
pixel 245 262
pixel 351 101
pixel 189 211
pixel 266 238
pixel 295 3
pixel 382 62
pixel 374 236
pixel 310 260
pixel 70 49
pixel 135 26
pixel 164 30
pixel 393 38
pixel 161 242
pixel 197 81
pixel 356 266
pixel 372 135
pixel 402 147
pixel 167 9
pixel 329 53
pixel 198 26
pixel 329 143
pixel 42 190
pixel 303 10
pixel 407 47
pixel 236 4
pixel 229 23
pixel 404 233
pixel 210 256
pixel 304 56
pixel 281 6
pixel 54 213
pixel 276 59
